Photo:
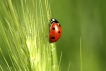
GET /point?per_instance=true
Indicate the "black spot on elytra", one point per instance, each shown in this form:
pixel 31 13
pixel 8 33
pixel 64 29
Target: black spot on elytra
pixel 52 37
pixel 58 31
pixel 53 28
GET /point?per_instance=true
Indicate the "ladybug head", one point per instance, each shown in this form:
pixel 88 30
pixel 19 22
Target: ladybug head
pixel 54 20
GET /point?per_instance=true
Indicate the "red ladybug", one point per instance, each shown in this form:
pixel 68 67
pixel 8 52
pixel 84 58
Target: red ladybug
pixel 55 31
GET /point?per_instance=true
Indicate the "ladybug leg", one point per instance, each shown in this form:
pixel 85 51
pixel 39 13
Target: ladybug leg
pixel 44 37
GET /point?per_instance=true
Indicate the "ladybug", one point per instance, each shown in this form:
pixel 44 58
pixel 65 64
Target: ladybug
pixel 55 31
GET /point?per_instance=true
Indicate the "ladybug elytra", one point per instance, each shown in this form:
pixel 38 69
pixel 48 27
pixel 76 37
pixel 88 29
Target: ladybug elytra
pixel 55 31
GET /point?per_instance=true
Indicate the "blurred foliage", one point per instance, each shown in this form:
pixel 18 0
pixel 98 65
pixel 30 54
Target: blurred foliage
pixel 85 19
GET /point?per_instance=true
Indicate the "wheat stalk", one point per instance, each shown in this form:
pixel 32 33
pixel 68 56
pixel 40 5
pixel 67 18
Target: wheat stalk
pixel 23 24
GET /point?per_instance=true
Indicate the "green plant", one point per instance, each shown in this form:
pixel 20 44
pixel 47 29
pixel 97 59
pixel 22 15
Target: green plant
pixel 23 27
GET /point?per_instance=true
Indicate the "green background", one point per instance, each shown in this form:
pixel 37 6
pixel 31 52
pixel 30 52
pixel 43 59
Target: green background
pixel 85 19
